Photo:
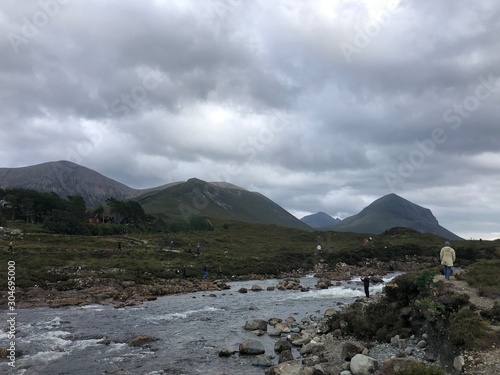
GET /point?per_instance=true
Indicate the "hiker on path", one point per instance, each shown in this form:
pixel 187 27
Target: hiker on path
pixel 171 245
pixel 366 284
pixel 447 257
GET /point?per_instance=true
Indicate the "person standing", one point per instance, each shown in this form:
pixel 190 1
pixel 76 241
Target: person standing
pixel 198 248
pixel 171 245
pixel 205 271
pixel 366 284
pixel 447 256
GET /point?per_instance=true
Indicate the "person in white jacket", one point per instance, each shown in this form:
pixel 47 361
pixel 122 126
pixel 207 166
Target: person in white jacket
pixel 447 256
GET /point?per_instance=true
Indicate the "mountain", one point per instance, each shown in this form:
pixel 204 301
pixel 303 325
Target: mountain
pixel 393 211
pixel 320 220
pixel 217 200
pixel 67 178
pixel 176 200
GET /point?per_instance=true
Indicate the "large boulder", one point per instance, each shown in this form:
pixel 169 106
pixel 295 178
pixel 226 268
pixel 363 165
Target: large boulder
pixel 256 324
pixel 256 288
pixel 363 365
pixel 324 284
pixel 289 283
pixel 251 347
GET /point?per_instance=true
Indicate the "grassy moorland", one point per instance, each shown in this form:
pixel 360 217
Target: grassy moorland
pixel 43 259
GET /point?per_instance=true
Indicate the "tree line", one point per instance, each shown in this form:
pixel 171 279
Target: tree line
pixel 70 215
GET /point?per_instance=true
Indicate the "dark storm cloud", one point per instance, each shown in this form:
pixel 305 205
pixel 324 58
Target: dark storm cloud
pixel 320 105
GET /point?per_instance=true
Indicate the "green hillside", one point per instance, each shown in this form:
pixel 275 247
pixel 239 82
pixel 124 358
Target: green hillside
pixel 199 198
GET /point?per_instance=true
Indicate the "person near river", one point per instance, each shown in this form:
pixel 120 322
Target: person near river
pixel 447 256
pixel 205 271
pixel 366 284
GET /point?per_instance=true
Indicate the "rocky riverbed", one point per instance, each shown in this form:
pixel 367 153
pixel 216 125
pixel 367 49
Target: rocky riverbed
pixel 85 288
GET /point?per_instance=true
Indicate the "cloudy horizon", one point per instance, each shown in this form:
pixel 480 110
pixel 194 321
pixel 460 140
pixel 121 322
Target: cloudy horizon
pixel 319 105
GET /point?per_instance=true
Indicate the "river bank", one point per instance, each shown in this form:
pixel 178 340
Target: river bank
pixel 84 288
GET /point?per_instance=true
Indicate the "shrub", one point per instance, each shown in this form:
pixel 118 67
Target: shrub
pixel 492 315
pixel 402 290
pixel 467 329
pixel 429 304
pixel 424 280
pixel 421 369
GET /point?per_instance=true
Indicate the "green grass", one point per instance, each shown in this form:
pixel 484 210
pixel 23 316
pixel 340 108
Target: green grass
pixel 483 275
pixel 268 250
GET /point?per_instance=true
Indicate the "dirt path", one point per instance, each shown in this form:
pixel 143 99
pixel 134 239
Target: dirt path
pixel 477 362
pixel 482 303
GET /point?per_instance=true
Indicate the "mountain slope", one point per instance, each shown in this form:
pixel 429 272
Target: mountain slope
pixel 67 178
pixel 217 200
pixel 393 211
pixel 320 220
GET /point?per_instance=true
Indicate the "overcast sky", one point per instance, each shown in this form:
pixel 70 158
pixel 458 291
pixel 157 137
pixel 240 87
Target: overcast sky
pixel 319 105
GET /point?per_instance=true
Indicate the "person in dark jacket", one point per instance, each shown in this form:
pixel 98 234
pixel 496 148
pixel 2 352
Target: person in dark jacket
pixel 366 284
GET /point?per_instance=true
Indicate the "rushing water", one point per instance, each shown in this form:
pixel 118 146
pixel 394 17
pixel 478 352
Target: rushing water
pixel 190 330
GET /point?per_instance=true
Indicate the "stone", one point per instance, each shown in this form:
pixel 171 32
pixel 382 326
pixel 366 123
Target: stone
pixel 272 331
pixel 256 288
pixel 256 324
pixel 262 361
pixel 422 344
pixel 285 356
pixel 274 321
pixel 458 363
pixel 140 340
pixel 349 350
pixel 286 368
pixel 363 365
pixel 312 348
pixel 225 352
pixel 282 345
pixel 243 290
pixel 251 347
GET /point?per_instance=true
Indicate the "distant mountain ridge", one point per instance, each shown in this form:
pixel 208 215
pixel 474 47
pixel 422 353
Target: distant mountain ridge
pixel 393 211
pixel 178 200
pixel 67 178
pixel 320 220
pixel 216 199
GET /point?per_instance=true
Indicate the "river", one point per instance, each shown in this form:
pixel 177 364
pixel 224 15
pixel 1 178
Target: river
pixel 189 329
